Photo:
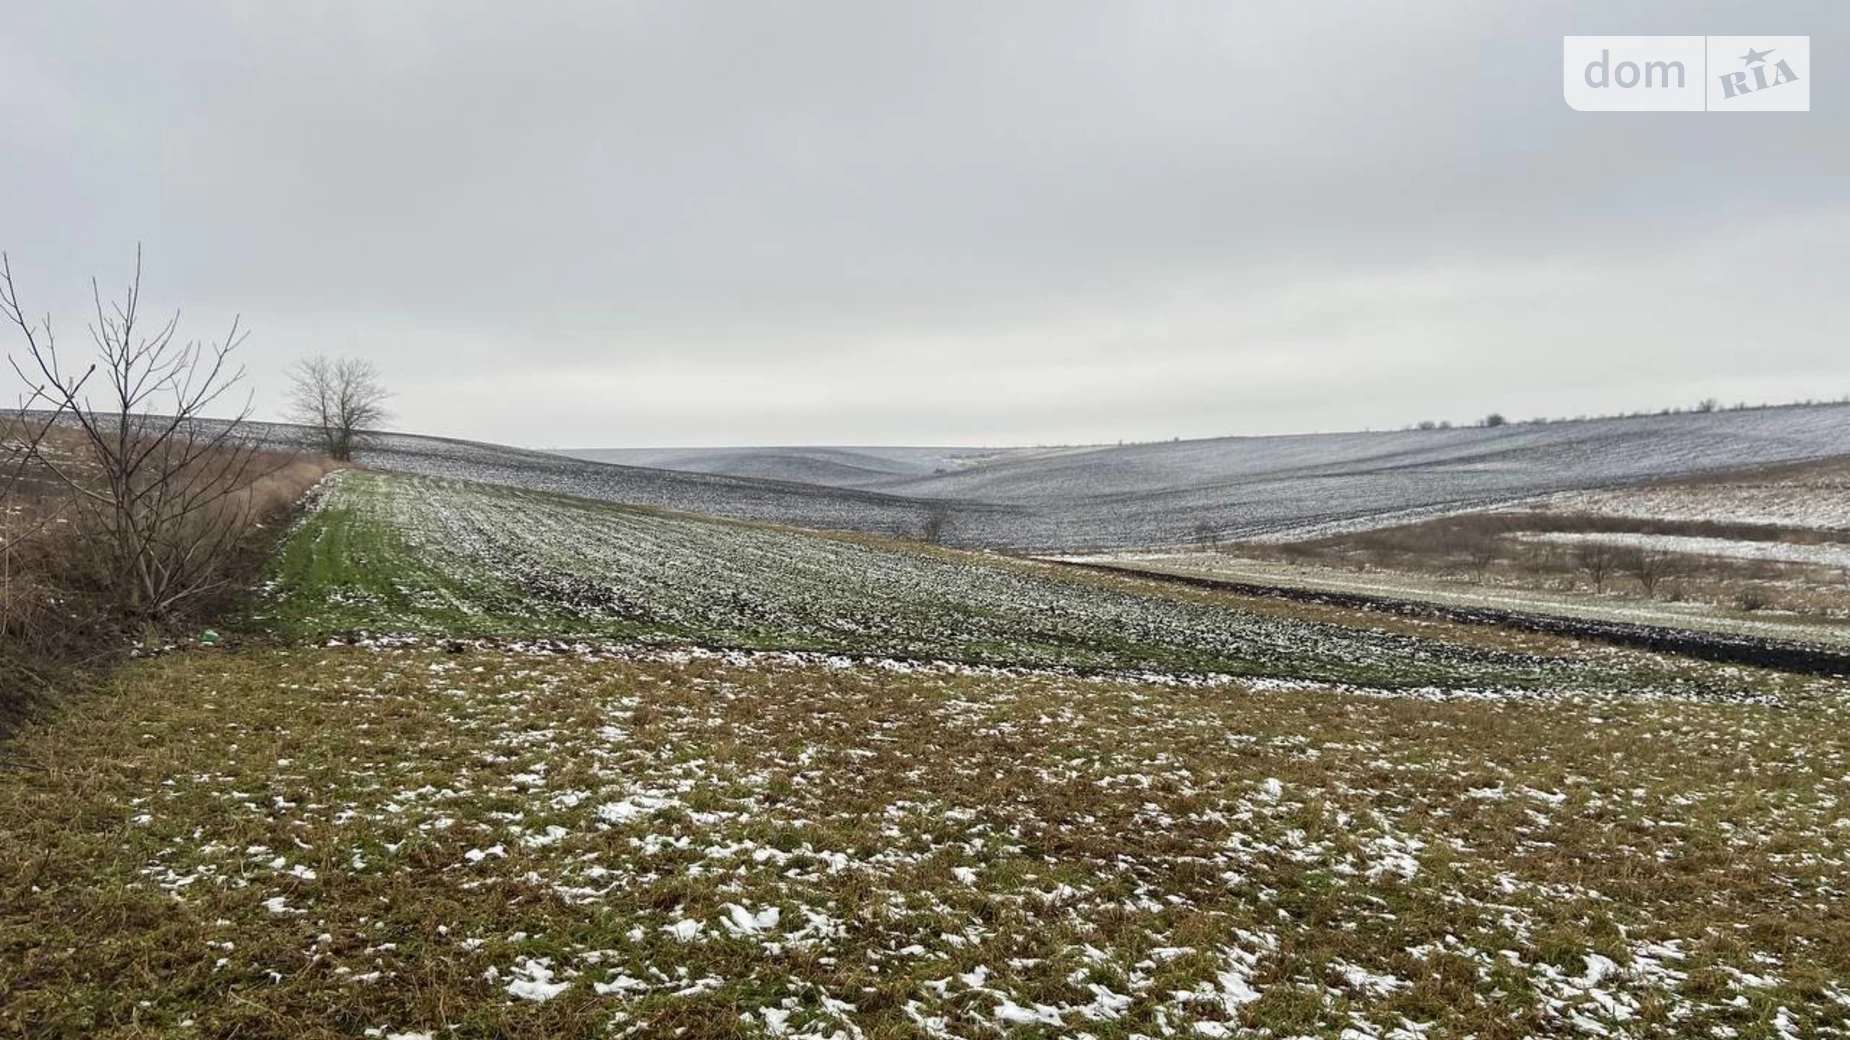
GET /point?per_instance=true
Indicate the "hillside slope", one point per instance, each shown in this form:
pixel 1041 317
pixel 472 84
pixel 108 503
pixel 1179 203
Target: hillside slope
pixel 776 501
pixel 844 467
pixel 1148 495
pixel 1297 486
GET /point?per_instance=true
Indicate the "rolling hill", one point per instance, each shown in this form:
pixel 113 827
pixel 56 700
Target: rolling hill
pixel 1156 495
pixel 1280 487
pixel 716 494
pixel 844 467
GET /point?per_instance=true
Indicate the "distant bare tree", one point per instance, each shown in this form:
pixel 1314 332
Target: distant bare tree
pixel 1649 566
pixel 937 523
pixel 1484 549
pixel 339 398
pixel 1597 560
pixel 158 489
pixel 1206 536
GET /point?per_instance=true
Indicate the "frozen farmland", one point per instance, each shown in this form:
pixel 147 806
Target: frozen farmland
pixel 496 762
pixel 1154 495
pixel 417 555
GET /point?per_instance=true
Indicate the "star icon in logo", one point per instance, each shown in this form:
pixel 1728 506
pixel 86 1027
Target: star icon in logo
pixel 1754 57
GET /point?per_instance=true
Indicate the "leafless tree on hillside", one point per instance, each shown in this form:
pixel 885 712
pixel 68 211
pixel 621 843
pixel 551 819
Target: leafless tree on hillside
pixel 1484 549
pixel 936 524
pixel 158 488
pixel 1597 560
pixel 1206 536
pixel 340 399
pixel 1649 566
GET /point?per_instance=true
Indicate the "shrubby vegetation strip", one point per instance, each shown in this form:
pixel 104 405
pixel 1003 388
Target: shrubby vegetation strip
pixel 1724 648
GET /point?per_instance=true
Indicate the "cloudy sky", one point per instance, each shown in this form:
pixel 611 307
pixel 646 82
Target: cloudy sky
pixel 702 222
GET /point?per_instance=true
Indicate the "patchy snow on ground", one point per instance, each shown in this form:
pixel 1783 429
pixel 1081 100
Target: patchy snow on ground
pixel 1828 555
pixel 1816 498
pixel 824 852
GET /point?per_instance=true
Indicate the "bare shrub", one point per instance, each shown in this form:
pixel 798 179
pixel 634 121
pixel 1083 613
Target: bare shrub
pixel 1648 566
pixel 1206 536
pixel 1483 549
pixel 1751 598
pixel 1597 560
pixel 58 612
pixel 1298 552
pixel 936 524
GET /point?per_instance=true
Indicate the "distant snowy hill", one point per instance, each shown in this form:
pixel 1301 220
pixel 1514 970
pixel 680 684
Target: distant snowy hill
pixel 1281 487
pixel 843 467
pixel 1144 495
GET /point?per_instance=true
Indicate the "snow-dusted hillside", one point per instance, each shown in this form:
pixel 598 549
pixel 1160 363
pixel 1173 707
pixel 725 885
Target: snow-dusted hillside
pixel 1814 497
pixel 846 467
pixel 1296 486
pixel 805 505
pixel 1150 495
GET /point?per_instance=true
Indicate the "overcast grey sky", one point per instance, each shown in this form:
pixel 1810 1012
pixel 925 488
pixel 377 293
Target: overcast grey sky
pixel 688 222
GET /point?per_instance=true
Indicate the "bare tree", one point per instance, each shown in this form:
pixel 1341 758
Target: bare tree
pixel 158 486
pixel 1649 566
pixel 1206 536
pixel 1484 549
pixel 1597 560
pixel 340 399
pixel 936 524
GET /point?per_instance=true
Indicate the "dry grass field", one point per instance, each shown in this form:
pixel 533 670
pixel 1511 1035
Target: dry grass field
pixel 496 840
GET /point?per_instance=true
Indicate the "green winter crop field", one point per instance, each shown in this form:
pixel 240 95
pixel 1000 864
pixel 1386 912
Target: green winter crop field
pixel 409 555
